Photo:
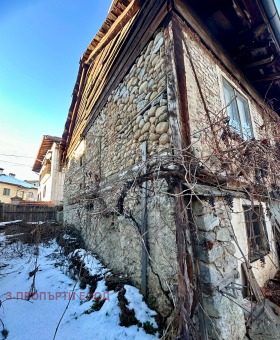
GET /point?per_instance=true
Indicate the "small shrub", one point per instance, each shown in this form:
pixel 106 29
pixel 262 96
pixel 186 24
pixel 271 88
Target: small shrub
pixel 95 307
pixel 149 328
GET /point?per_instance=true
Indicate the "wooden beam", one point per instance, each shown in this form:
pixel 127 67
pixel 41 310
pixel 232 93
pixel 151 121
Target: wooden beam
pixel 181 83
pixel 144 225
pixel 77 103
pixel 180 139
pixel 265 61
pixel 148 20
pixel 252 282
pixel 176 86
pixel 192 20
pixel 267 78
pixel 121 21
pixel 172 88
pixel 185 328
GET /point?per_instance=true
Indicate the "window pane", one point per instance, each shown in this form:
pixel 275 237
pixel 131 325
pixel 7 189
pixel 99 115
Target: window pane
pixel 6 192
pixel 231 106
pixel 256 232
pixel 243 109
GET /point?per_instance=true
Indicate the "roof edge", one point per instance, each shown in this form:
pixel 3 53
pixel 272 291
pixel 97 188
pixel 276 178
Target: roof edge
pixel 41 154
pixel 273 17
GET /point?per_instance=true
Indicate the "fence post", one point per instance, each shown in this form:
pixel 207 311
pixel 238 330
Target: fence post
pixel 1 212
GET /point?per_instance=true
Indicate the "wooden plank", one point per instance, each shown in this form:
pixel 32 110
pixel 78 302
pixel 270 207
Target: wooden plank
pixel 198 304
pixel 139 34
pixel 98 79
pixel 172 89
pixel 147 21
pixel 185 287
pixel 121 21
pixel 252 282
pixel 181 84
pixel 67 134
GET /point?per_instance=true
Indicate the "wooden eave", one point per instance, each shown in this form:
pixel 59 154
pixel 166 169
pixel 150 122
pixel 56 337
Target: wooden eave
pixel 89 66
pixel 115 11
pixel 243 30
pixel 236 31
pixel 46 144
pixel 125 32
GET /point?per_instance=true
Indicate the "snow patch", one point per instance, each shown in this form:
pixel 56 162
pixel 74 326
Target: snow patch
pixel 2 224
pixel 39 317
pixel 93 265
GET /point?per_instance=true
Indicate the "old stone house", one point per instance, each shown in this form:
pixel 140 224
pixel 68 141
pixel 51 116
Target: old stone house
pixel 51 176
pixel 171 152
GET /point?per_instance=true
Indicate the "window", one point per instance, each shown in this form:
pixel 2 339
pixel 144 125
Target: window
pixel 238 111
pixel 256 232
pixel 44 192
pixel 6 192
pixel 21 194
pixel 30 194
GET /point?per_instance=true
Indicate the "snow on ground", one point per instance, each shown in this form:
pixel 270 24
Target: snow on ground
pixel 38 318
pixel 2 237
pixel 3 224
pixel 93 265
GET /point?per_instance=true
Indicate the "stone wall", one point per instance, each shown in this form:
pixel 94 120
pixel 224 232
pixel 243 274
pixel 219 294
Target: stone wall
pixel 217 254
pixel 267 267
pixel 205 82
pixel 218 268
pixel 136 111
pixel 204 78
pixel 117 240
pixel 103 197
pixel 109 157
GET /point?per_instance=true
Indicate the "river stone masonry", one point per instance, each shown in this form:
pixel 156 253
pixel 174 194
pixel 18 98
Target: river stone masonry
pixel 135 112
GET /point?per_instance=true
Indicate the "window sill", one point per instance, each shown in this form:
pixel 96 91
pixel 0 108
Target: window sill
pixel 258 256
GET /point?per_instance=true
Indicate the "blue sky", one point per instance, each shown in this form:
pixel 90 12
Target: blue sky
pixel 41 44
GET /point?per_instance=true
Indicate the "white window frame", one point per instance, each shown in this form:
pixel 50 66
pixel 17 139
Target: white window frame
pixel 6 189
pixel 266 246
pixel 21 194
pixel 222 76
pixel 238 111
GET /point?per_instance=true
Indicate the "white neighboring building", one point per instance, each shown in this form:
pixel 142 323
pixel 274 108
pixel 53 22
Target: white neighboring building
pixel 47 164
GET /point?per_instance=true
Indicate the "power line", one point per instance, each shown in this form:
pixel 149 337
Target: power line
pixel 3 154
pixel 16 164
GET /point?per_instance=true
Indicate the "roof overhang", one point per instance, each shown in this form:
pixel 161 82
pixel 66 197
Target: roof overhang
pixel 244 29
pixel 249 31
pixel 120 12
pixel 46 144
